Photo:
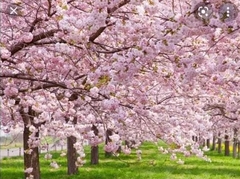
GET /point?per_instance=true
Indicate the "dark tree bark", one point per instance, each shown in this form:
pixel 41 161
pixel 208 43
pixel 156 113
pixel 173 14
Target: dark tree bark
pixel 130 143
pixel 72 153
pixel 202 142
pixel 31 160
pixel 214 143
pixel 127 143
pixel 119 150
pixel 235 142
pixel 196 139
pixel 109 132
pixel 227 145
pixel 208 143
pixel 219 143
pixel 94 149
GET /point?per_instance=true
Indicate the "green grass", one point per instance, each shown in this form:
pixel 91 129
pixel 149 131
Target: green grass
pixel 152 166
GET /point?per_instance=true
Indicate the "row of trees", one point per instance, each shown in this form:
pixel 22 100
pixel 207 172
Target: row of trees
pixel 134 70
pixel 220 142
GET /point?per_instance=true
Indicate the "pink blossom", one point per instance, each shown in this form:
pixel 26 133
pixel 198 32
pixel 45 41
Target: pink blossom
pixel 115 138
pixel 32 128
pixel 181 162
pixel 205 149
pixel 126 150
pixel 91 118
pixel 5 53
pixel 111 147
pixel 80 162
pixel 94 91
pixel 28 151
pixel 94 141
pixel 48 156
pixel 11 91
pixel 54 164
pixel 29 170
pixel 30 177
pixel 173 157
pixel 110 104
pixel 63 154
pixel 27 37
pixel 161 149
pixel 139 154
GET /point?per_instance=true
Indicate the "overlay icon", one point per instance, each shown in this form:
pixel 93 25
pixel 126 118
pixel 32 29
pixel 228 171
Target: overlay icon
pixel 203 11
pixel 228 12
pixel 14 9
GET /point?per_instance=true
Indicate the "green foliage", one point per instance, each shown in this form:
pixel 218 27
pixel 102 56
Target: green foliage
pixel 103 80
pixel 152 166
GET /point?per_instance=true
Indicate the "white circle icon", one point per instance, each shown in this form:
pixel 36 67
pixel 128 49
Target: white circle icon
pixel 203 11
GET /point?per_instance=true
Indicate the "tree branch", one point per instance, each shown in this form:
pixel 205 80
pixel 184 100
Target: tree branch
pixel 19 76
pixel 221 109
pixel 109 11
pixel 20 45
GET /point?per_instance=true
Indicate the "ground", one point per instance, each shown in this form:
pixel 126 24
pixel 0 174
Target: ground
pixel 153 165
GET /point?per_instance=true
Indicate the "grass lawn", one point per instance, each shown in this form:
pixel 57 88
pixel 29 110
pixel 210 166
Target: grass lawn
pixel 152 166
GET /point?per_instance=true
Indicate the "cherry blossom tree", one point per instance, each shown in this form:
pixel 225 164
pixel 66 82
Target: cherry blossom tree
pixel 146 69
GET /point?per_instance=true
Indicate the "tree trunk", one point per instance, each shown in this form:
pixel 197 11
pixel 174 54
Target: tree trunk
pixel 94 155
pixel 219 144
pixel 72 153
pixel 239 149
pixel 127 143
pixel 235 143
pixel 94 149
pixel 227 151
pixel 202 142
pixel 196 139
pixel 208 143
pixel 214 143
pixel 109 132
pixel 130 143
pixel 31 159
